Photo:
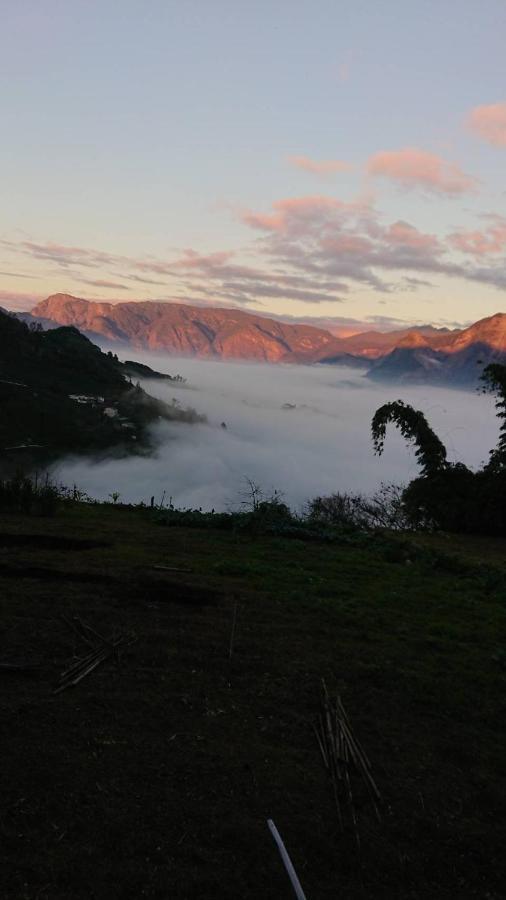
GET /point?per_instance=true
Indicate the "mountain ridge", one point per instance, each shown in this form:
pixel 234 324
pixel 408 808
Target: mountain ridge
pixel 231 334
pixel 186 330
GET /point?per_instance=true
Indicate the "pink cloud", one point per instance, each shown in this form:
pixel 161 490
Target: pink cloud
pixel 489 123
pixel 413 168
pixel 489 241
pixel 406 235
pixel 297 214
pixel 321 167
pixel 330 242
pixel 193 260
pixel 347 245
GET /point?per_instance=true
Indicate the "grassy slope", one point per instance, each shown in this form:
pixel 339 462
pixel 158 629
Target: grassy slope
pixel 154 778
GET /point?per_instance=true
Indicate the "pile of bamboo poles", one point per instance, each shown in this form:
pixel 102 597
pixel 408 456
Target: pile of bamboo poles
pixel 344 758
pixel 105 649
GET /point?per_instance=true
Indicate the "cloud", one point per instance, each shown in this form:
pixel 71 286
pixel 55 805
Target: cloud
pixel 259 289
pixel 496 277
pixel 60 253
pixel 489 123
pixel 243 284
pixel 295 214
pixel 217 274
pixel 320 446
pixel 191 260
pixel 141 280
pixel 401 233
pixel 306 249
pixel 409 283
pixel 486 242
pixel 322 167
pixel 17 275
pixel 104 283
pixel 326 239
pixel 412 168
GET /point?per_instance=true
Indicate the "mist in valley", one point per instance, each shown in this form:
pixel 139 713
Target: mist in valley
pixel 300 430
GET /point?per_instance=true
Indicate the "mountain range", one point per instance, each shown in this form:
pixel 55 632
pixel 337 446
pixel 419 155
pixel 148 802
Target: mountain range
pixel 421 353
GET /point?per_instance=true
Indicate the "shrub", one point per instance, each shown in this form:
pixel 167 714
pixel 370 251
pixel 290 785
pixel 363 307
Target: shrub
pixel 383 509
pixel 30 496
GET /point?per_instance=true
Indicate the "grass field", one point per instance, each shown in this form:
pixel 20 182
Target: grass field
pixel 155 775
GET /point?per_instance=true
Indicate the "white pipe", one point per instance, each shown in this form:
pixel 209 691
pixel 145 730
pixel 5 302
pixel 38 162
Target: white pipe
pixel 287 862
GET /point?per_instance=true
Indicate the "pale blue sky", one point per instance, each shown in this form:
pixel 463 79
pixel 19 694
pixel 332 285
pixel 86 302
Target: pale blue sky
pixel 135 130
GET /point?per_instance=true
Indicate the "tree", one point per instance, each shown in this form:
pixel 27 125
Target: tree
pixel 430 451
pixel 494 382
pixel 449 495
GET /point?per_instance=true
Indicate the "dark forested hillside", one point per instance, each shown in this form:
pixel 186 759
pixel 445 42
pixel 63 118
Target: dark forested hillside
pixel 60 393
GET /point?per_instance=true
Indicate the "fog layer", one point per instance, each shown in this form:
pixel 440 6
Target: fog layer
pixel 319 445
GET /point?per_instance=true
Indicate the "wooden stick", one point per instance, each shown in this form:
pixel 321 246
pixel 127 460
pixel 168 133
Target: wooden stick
pixel 82 668
pixel 360 760
pixel 81 674
pixel 81 662
pixel 340 750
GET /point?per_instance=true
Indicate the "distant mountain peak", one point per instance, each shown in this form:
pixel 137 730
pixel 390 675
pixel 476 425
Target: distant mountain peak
pixel 414 339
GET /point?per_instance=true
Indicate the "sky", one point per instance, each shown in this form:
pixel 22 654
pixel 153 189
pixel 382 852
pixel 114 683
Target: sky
pixel 341 162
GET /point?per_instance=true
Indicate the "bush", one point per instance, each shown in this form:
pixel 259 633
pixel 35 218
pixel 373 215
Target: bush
pixel 384 509
pixel 457 499
pixel 29 496
pixel 267 517
pixel 36 496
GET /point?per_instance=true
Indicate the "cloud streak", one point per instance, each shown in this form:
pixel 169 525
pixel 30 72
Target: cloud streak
pixel 104 283
pixel 411 168
pixel 323 167
pixel 485 242
pixel 308 249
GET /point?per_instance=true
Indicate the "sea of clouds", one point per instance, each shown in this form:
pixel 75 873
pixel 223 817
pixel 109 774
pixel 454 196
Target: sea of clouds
pixel 321 446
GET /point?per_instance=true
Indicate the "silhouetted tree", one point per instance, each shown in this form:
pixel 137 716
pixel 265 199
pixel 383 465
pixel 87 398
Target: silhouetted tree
pixel 430 451
pixel 449 495
pixel 494 382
